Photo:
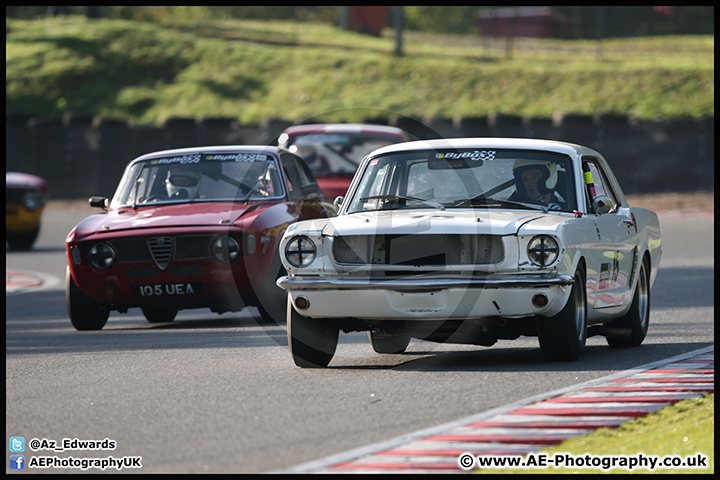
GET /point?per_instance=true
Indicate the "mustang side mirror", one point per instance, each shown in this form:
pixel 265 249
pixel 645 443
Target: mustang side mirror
pixel 337 203
pixel 102 202
pixel 602 204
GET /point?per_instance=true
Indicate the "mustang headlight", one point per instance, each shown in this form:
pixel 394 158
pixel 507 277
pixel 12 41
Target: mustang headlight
pixel 543 250
pixel 225 248
pixel 300 252
pixel 102 256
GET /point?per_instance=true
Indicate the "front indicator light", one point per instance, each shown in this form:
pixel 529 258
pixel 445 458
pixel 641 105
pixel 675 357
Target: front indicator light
pixel 540 300
pixel 302 303
pixel 102 256
pixel 75 255
pixel 250 244
pixel 543 250
pixel 300 252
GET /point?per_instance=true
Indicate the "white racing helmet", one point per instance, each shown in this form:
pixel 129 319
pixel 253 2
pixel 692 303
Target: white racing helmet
pixel 549 170
pixel 183 182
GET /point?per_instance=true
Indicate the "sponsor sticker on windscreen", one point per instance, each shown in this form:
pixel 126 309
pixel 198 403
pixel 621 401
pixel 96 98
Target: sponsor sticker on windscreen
pixel 456 159
pixel 237 157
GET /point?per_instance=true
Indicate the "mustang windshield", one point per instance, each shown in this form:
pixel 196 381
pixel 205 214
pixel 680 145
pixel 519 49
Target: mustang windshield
pixel 336 153
pixel 466 178
pixel 226 176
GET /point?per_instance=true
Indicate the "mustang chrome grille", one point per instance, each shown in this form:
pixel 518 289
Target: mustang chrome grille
pixel 438 249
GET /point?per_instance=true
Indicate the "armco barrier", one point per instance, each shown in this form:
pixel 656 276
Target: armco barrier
pixel 82 156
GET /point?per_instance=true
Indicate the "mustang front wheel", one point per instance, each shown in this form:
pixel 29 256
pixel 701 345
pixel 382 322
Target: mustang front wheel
pixel 85 313
pixel 563 336
pixel 312 341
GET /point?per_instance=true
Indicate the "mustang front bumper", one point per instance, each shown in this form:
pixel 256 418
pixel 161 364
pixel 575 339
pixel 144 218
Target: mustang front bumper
pixel 428 298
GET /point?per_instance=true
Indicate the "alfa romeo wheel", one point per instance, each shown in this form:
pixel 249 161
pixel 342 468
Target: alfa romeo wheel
pixel 563 336
pixel 312 341
pixel 270 297
pixel 85 313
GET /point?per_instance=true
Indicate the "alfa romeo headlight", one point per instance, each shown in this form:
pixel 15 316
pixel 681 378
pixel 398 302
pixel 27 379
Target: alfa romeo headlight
pixel 225 248
pixel 102 256
pixel 300 252
pixel 543 250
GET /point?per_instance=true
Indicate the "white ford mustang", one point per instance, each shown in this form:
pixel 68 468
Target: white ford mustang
pixel 469 241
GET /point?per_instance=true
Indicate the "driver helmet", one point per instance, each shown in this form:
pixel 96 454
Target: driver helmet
pixel 183 182
pixel 547 182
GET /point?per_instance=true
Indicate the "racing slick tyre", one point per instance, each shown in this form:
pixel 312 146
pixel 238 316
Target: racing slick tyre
pixel 637 320
pixel 387 343
pixel 85 313
pixel 563 336
pixel 312 341
pixel 158 314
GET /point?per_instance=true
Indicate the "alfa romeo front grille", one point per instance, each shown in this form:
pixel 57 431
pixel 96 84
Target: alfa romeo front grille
pixel 418 250
pixel 148 249
pixel 161 249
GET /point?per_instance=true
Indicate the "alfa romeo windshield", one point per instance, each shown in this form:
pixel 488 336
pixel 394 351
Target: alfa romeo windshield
pixel 227 176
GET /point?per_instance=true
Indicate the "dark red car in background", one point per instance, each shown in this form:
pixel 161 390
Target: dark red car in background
pixel 190 228
pixel 333 151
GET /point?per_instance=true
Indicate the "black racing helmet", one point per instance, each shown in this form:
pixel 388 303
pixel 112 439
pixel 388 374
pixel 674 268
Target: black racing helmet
pixel 547 182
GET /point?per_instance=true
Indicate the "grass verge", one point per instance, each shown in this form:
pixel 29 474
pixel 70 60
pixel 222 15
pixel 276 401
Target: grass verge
pixel 252 71
pixel 684 429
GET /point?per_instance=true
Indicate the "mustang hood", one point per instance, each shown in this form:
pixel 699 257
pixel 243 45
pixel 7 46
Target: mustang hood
pixel 185 215
pixel 404 222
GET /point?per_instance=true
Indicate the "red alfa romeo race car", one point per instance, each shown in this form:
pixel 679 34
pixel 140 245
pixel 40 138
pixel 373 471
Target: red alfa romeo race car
pixel 190 228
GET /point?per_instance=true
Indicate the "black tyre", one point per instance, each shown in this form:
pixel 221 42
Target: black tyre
pixel 22 241
pixel 563 336
pixel 158 314
pixel 637 320
pixel 85 313
pixel 271 299
pixel 312 341
pixel 387 343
